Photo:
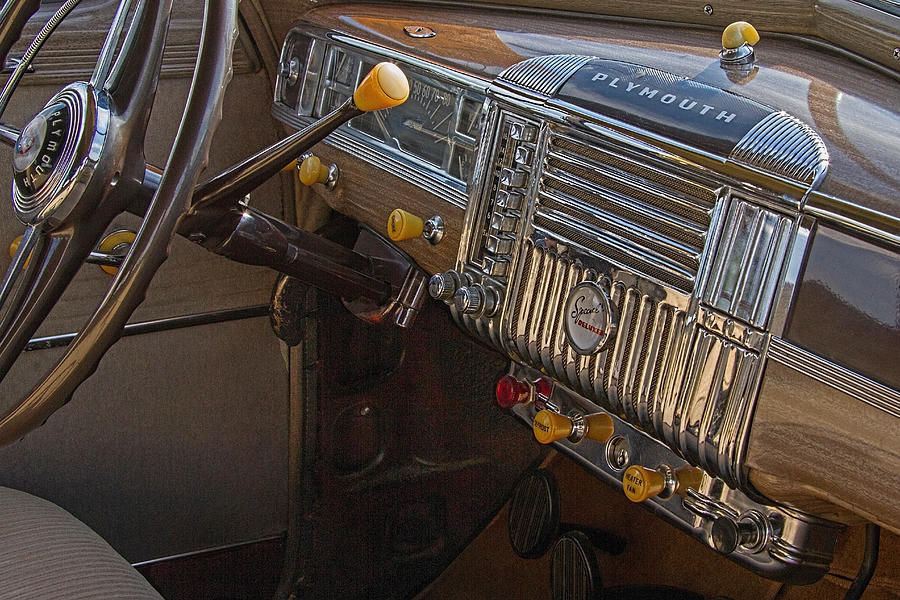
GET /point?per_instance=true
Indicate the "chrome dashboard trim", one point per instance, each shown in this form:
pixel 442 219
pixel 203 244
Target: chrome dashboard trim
pixel 879 226
pixel 796 548
pixel 835 376
pixel 754 247
pixel 788 191
pixel 544 74
pixel 465 80
pixel 793 268
pixel 403 167
pixel 784 145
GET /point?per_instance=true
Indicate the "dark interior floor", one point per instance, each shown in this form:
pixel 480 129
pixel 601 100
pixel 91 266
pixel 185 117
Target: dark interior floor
pixel 246 572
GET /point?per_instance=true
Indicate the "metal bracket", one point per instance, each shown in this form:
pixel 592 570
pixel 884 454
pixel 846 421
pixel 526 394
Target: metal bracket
pixel 12 63
pixel 409 284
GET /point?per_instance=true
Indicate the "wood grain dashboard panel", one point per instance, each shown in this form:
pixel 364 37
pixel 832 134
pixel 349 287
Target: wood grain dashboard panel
pixel 827 20
pixel 827 90
pixel 368 194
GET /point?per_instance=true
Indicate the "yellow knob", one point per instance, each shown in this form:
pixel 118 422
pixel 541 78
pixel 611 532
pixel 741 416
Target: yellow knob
pixel 385 86
pixel 404 225
pixel 739 33
pixel 549 426
pixel 116 242
pixel 14 245
pixel 600 427
pixel 640 483
pixel 688 477
pixel 312 171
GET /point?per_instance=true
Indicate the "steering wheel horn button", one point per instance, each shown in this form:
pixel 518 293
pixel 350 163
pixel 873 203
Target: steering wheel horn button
pixel 51 158
pixel 590 319
pixel 39 148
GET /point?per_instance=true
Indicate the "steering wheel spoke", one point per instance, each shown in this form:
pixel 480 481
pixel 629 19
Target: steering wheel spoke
pixel 131 79
pixel 9 134
pixel 27 244
pixel 108 51
pixel 70 206
pixel 49 264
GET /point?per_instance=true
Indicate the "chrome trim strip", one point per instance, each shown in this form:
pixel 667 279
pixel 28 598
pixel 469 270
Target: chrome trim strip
pixel 164 324
pixel 544 75
pixel 404 168
pixel 835 376
pixel 881 226
pixel 784 145
pixel 155 561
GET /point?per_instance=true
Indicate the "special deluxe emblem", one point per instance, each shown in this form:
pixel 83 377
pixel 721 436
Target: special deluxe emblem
pixel 590 320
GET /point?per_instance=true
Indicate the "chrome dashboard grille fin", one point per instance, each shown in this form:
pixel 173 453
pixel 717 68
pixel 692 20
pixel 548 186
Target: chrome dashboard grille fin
pixel 664 373
pixel 544 74
pixel 715 405
pixel 634 213
pixel 748 262
pixel 784 145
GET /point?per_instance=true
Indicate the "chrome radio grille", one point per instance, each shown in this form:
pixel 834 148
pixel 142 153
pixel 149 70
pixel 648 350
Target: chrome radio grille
pixel 639 227
pixel 637 214
pixel 685 385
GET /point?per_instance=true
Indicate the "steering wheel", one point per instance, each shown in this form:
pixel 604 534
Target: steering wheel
pixel 76 165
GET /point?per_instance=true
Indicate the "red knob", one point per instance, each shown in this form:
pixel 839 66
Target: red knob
pixel 544 387
pixel 511 391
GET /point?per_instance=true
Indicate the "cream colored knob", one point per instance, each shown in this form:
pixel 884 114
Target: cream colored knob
pixel 550 427
pixel 640 483
pixel 599 427
pixel 385 86
pixel 403 225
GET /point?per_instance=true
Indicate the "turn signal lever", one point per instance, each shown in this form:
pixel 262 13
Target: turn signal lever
pixel 220 221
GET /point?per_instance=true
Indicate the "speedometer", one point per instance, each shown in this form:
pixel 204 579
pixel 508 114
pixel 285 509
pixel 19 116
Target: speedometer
pixel 421 126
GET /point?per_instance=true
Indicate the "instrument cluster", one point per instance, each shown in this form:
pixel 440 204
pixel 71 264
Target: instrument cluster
pixel 433 134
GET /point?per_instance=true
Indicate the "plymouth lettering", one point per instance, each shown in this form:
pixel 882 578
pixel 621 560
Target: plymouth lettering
pixel 648 93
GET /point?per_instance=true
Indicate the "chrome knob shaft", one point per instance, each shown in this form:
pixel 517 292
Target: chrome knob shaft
pixel 443 286
pixel 477 300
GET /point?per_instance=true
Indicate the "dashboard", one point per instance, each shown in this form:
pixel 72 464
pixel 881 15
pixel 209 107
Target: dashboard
pixel 701 254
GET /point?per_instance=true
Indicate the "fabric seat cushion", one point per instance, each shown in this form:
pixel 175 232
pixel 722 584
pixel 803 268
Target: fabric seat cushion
pixel 46 553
